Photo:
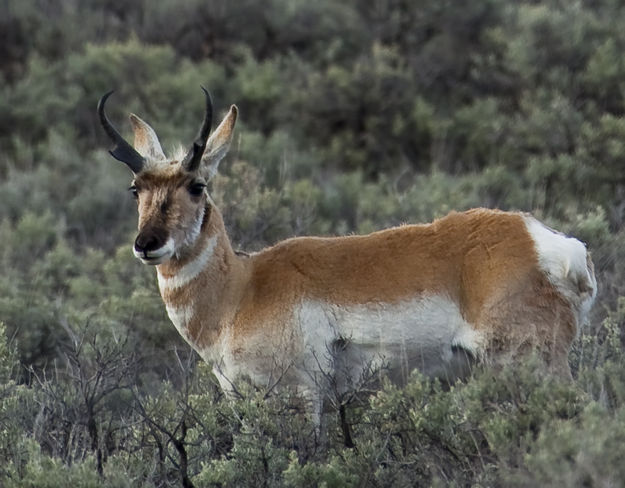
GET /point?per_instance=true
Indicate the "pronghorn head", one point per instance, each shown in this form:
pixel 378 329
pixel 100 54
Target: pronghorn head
pixel 171 192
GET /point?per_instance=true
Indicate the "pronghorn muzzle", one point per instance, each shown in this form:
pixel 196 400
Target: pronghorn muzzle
pixel 153 246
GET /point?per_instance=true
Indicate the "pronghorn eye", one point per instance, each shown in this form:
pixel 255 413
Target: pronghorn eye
pixel 196 189
pixel 134 191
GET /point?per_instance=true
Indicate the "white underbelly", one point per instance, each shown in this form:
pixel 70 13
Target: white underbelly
pixel 424 334
pixel 346 344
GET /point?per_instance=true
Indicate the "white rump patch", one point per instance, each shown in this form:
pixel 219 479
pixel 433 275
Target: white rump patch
pixel 191 270
pixel 558 255
pixel 565 262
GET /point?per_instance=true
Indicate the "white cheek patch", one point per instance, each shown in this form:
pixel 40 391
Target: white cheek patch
pixel 194 232
pixel 191 270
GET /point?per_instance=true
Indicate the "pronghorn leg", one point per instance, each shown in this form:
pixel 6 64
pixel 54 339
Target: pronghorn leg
pixel 536 318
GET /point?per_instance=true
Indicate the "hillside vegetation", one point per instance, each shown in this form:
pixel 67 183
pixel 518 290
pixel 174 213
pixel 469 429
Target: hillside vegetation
pixel 354 116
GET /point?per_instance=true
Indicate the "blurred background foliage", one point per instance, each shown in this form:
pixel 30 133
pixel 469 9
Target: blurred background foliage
pixel 354 116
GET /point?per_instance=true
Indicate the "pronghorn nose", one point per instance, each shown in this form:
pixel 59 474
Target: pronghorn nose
pixel 147 242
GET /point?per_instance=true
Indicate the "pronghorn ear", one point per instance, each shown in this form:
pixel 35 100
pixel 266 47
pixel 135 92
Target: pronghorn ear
pixel 146 142
pixel 218 144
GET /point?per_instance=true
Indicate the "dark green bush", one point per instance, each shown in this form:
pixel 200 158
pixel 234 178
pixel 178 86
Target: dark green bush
pixel 353 117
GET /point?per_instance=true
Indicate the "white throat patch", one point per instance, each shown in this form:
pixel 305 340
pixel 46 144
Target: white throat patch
pixel 191 270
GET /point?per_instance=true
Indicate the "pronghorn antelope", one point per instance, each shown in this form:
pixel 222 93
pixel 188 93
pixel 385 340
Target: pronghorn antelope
pixel 482 285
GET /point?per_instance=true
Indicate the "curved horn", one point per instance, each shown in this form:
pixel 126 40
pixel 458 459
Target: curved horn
pixel 193 158
pixel 122 151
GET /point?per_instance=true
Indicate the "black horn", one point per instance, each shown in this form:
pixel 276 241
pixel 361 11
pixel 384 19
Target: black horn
pixel 193 158
pixel 122 151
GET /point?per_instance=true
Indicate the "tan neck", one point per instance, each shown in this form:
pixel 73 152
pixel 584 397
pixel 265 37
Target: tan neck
pixel 204 286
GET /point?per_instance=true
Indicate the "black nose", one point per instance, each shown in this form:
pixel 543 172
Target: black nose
pixel 148 242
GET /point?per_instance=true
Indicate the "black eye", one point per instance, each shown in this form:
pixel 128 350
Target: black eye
pixel 196 189
pixel 134 191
